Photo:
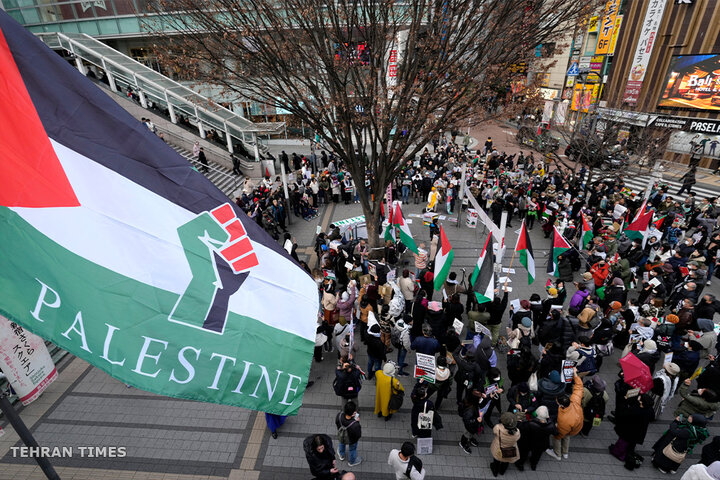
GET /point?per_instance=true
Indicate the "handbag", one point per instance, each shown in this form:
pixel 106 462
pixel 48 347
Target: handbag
pixel 507 452
pixel 672 455
pixel 533 382
pixel 425 419
pixel 396 398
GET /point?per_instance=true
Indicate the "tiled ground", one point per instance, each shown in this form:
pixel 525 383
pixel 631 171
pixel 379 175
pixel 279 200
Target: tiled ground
pixel 175 439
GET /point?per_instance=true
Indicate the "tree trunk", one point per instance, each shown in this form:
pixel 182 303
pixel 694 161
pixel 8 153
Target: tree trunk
pixel 373 225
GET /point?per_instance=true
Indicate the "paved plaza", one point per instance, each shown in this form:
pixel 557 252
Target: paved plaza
pixel 176 439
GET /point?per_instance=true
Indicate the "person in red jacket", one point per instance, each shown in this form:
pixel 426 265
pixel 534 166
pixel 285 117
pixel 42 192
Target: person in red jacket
pixel 600 272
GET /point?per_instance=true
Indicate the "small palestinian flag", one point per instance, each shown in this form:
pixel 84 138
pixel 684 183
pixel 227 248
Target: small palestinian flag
pixel 658 223
pixel 587 233
pixel 524 248
pixel 118 251
pixel 483 277
pixel 443 260
pixel 389 234
pixel 638 229
pixel 640 210
pixel 558 246
pixel 402 229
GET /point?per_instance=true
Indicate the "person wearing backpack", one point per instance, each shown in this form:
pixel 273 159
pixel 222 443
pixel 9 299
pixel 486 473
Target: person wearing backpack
pixel 405 464
pixel 348 382
pixel 594 400
pixel 349 433
pixel 586 364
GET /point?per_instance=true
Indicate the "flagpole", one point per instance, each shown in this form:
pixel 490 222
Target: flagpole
pixel 507 277
pixel 25 435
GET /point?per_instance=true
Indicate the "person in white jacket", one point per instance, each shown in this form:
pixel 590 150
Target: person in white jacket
pixel 405 464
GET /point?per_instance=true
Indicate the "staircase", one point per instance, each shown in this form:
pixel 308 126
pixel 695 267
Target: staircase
pixel 219 175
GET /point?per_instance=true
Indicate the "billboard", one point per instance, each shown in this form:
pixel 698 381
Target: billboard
pixel 692 82
pixel 643 50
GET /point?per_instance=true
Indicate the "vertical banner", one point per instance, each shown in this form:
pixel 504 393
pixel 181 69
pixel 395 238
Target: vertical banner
pixel 643 50
pixel 616 32
pixel 25 360
pixel 606 27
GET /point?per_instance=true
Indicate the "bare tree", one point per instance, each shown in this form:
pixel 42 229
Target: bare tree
pixel 375 78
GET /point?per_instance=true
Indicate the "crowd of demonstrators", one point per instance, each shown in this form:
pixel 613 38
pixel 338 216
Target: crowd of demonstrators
pixel 644 297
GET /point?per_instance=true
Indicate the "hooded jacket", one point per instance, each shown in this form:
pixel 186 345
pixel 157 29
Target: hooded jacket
pixel 320 463
pixel 693 403
pixel 570 419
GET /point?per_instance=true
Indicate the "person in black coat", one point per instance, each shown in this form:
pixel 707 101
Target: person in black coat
pixel 349 419
pixel 320 456
pixel 711 452
pixel 418 312
pixel 535 438
pixel 631 425
pixel 469 410
pixel 419 397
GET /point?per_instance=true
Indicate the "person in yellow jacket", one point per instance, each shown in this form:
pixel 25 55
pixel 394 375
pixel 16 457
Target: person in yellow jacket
pixel 433 199
pixel 385 382
pixel 569 421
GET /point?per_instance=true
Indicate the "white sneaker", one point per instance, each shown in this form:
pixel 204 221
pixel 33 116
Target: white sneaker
pixel 552 453
pixel 565 456
pixel 708 283
pixel 358 461
pixel 341 457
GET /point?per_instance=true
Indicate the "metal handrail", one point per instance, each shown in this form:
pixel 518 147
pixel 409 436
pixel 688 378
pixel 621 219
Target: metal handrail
pixel 177 96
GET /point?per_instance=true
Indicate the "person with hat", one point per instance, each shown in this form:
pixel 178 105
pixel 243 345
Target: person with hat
pixel 385 385
pixel 401 334
pixel 504 448
pixel 665 383
pixel 600 272
pixel 588 283
pixel 649 354
pixel 443 381
pixel 594 400
pixel 535 438
pixel 706 335
pixel 679 440
pixel 523 312
pixel 569 419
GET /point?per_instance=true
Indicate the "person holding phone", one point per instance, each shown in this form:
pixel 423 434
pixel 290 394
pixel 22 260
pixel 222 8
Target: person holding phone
pixel 569 419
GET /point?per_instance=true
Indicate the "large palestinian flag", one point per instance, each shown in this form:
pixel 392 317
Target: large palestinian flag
pixel 524 248
pixel 483 277
pixel 443 260
pixel 586 236
pixel 558 246
pixel 114 248
pixel 638 229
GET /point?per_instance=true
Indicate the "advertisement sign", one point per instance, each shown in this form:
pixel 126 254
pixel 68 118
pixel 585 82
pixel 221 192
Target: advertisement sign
pixel 584 63
pixel 585 97
pixel 606 27
pixel 643 50
pixel 25 361
pixel 697 125
pixel 596 63
pixel 616 32
pixel 692 82
pixel 593 24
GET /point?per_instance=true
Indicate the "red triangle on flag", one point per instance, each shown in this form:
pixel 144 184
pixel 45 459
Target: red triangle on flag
pixel 444 242
pixel 31 171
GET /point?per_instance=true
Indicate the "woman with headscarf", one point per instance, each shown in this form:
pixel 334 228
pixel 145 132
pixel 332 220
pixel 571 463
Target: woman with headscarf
pixel 678 441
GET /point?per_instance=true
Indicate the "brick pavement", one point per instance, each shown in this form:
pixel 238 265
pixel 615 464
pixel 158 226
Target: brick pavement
pixel 177 439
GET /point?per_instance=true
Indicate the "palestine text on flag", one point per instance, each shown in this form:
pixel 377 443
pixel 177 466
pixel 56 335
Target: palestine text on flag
pixel 165 284
pixel 558 246
pixel 483 277
pixel 443 260
pixel 524 248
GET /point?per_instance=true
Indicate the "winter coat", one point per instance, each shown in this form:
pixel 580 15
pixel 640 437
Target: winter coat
pixel 694 403
pixel 375 347
pixel 565 271
pixel 547 394
pixel 517 317
pixel 329 301
pixel 320 463
pixel 504 439
pixel 497 309
pixel 578 298
pixel 475 316
pixel 426 345
pixel 570 419
pixel 697 472
pixel 345 308
pixel 407 287
pixel 383 389
pixel 631 424
pixel 535 435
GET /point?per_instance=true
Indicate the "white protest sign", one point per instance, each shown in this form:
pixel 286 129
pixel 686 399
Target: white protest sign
pixel 458 326
pixel 425 367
